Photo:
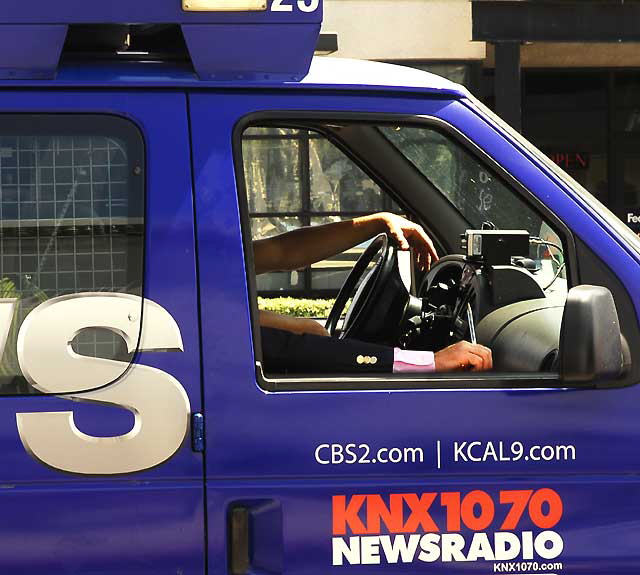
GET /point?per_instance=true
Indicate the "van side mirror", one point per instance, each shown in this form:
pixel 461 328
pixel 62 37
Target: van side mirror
pixel 591 344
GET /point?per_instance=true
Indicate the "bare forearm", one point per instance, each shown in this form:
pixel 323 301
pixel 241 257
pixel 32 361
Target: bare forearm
pixel 299 325
pixel 301 248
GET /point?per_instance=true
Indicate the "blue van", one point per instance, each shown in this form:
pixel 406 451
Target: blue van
pixel 143 432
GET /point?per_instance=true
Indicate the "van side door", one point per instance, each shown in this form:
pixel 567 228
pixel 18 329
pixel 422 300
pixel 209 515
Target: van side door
pixel 459 472
pixel 100 366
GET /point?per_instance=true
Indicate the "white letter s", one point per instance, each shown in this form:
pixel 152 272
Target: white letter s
pixel 157 400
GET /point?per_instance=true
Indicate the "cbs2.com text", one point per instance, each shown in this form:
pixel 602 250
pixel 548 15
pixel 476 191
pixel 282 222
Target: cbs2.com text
pixel 364 454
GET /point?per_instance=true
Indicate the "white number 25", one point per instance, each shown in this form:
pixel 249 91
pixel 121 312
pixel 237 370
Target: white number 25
pixel 157 400
pixel 287 5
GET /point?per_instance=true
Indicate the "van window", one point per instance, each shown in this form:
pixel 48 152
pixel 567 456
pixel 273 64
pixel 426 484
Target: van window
pixel 477 194
pixel 72 221
pixel 297 178
pixel 304 178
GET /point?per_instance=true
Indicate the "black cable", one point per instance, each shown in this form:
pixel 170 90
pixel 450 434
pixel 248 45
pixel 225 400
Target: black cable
pixel 556 276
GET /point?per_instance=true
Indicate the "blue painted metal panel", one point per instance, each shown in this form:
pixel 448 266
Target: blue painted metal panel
pixel 274 436
pixel 102 528
pixel 251 52
pixel 257 46
pixel 325 74
pixel 149 522
pixel 30 51
pixel 598 526
pixel 149 11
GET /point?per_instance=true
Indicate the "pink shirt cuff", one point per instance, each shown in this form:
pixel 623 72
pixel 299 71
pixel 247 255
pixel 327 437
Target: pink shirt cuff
pixel 410 361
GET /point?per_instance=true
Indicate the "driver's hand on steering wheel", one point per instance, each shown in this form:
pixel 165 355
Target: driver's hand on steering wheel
pixel 408 234
pixel 464 356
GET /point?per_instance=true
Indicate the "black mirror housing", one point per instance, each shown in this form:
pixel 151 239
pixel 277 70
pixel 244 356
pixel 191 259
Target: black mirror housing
pixel 591 344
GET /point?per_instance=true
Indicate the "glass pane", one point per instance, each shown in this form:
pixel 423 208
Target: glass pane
pixel 627 102
pixel 331 273
pixel 477 194
pixel 262 228
pixel 272 174
pixel 630 180
pixel 258 132
pixel 566 117
pixel 71 222
pixel 337 184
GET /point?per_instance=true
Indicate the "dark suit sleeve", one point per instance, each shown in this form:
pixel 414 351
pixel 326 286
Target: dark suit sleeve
pixel 286 352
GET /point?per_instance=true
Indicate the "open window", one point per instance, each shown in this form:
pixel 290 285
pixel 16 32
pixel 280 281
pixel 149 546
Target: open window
pixel 505 267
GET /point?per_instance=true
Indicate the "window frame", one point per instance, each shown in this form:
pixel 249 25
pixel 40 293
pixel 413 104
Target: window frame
pixel 79 124
pixel 389 382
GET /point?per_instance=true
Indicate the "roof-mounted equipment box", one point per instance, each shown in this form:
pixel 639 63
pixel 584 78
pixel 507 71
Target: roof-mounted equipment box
pixel 249 40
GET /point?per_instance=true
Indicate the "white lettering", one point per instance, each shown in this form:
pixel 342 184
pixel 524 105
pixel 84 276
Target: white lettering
pixel 448 547
pixel 157 400
pixel 452 547
pixel 429 544
pixel 490 452
pixel 503 457
pixel 469 454
pixel 280 6
pixel 555 547
pixel 401 547
pixel 480 548
pixel 527 544
pixel 458 453
pixel 318 456
pixel 506 546
pixel 342 550
pixel 370 552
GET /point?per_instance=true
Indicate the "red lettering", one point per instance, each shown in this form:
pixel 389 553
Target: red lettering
pixel 482 500
pixel 476 511
pixel 518 501
pixel 452 502
pixel 420 515
pixel 347 515
pixel 378 511
pixel 549 518
pixel 580 160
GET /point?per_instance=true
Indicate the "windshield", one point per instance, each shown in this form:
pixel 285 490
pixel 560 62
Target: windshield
pixel 483 199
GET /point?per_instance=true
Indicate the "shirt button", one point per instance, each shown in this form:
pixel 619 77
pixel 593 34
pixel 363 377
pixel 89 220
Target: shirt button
pixel 360 359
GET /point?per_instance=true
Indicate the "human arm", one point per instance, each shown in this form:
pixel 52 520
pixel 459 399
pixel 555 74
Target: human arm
pixel 286 351
pixel 464 356
pixel 461 356
pixel 299 325
pixel 301 248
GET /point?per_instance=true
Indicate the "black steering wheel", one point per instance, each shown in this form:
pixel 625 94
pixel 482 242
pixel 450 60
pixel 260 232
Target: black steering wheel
pixel 450 289
pixel 378 296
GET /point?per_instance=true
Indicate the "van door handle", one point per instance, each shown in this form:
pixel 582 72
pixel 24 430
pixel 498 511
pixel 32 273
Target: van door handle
pixel 239 540
pixel 255 537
